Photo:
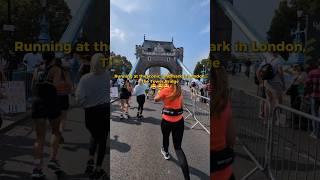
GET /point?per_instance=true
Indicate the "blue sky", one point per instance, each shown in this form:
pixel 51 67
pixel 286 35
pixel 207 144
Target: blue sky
pixel 187 21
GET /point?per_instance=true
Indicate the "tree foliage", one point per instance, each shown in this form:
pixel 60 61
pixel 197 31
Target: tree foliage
pixel 285 20
pixel 26 16
pixel 120 63
pixel 203 64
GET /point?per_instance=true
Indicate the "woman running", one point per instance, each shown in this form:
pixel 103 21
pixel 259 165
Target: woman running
pixel 172 121
pixel 124 98
pixel 64 88
pixel 140 92
pixel 93 94
pixel 222 130
pixel 45 106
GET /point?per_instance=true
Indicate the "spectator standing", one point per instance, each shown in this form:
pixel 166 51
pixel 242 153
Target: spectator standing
pixel 313 92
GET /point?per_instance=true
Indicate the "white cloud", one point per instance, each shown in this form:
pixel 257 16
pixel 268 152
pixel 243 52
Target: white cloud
pixel 206 29
pixel 117 33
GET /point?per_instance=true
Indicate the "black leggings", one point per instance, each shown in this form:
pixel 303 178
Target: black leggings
pixel 177 129
pixel 98 125
pixel 141 99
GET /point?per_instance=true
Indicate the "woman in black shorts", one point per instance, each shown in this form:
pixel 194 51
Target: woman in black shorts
pixel 45 106
pixel 64 88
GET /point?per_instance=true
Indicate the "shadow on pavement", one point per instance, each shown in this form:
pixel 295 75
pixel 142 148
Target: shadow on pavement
pixel 193 170
pixel 119 146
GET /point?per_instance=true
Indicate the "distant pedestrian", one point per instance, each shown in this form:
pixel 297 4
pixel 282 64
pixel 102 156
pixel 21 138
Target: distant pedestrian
pixel 248 68
pixel 313 92
pixel 84 66
pixel 124 99
pixel 140 91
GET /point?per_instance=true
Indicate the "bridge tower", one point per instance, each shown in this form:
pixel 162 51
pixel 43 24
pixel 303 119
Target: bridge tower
pixel 158 54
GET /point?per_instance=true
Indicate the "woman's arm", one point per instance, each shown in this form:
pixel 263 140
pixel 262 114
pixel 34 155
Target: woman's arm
pixel 157 98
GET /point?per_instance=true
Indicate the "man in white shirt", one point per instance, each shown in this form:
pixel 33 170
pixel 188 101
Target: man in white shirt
pixel 32 60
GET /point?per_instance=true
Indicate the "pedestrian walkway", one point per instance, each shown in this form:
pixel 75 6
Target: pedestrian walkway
pixel 16 160
pixel 135 147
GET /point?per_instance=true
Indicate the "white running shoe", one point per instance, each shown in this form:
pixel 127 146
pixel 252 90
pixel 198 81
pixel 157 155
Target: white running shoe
pixel 166 155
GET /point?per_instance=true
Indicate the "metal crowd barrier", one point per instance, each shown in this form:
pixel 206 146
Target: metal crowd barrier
pixel 294 153
pixel 21 75
pixel 198 108
pixel 280 144
pixel 252 130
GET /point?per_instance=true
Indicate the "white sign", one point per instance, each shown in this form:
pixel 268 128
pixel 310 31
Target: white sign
pixel 8 27
pixel 15 101
pixel 114 92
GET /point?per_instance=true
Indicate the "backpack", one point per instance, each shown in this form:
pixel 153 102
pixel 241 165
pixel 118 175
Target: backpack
pixel 43 88
pixel 267 72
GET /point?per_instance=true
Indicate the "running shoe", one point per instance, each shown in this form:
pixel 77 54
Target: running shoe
pixel 99 175
pixel 37 174
pixel 138 114
pixel 128 117
pixel 90 167
pixel 165 154
pixel 54 165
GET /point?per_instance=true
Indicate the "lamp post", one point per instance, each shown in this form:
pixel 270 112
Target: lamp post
pixel 299 32
pixel 44 25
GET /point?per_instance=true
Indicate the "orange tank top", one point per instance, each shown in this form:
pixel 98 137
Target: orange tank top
pixel 172 104
pixel 218 140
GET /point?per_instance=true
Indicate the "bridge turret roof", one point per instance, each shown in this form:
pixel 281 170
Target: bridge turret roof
pixel 153 44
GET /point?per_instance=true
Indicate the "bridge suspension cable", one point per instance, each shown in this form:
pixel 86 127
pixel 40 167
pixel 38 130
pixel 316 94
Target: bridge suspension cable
pixel 71 33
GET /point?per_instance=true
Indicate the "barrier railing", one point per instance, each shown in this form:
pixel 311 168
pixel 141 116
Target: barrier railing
pixel 21 75
pixel 198 108
pixel 294 149
pixel 253 134
pixel 279 144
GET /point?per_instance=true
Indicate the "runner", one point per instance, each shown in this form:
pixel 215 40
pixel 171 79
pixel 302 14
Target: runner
pixel 140 92
pixel 129 87
pixel 222 129
pixel 172 121
pixel 94 95
pixel 64 88
pixel 124 99
pixel 45 106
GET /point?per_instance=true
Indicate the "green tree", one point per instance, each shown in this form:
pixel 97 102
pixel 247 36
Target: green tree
pixel 26 18
pixel 118 62
pixel 282 24
pixel 285 20
pixel 203 64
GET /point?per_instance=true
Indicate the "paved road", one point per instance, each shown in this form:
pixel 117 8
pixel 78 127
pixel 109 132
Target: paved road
pixel 16 150
pixel 135 147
